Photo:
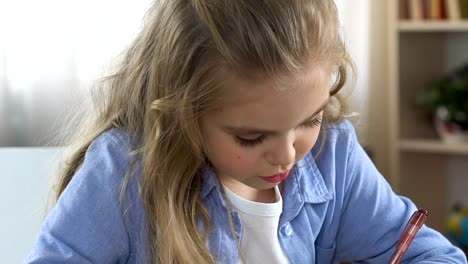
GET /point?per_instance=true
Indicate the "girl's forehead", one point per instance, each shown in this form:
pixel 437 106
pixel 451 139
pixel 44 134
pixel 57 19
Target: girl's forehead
pixel 262 105
pixel 240 90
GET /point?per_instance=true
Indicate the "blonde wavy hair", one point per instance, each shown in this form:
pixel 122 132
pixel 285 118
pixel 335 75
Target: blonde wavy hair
pixel 167 79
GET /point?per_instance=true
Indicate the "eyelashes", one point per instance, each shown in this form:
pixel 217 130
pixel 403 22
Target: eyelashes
pixel 316 122
pixel 313 123
pixel 249 142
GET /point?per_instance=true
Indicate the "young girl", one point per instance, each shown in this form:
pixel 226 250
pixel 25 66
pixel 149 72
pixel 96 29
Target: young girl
pixel 220 139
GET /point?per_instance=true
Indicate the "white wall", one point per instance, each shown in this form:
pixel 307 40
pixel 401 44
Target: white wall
pixel 378 115
pixel 366 34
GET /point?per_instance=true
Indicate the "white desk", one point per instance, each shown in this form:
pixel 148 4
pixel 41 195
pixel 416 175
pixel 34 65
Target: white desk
pixel 26 175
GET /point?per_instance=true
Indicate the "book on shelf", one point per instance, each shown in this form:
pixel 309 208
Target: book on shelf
pixel 443 9
pixel 426 8
pixel 416 9
pixel 453 9
pixel 435 9
pixel 464 9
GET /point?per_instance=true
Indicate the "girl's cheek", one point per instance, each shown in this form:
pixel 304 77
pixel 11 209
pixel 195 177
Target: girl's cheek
pixel 241 163
pixel 306 143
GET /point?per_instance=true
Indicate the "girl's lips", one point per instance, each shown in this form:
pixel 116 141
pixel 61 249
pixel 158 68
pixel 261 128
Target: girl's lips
pixel 276 178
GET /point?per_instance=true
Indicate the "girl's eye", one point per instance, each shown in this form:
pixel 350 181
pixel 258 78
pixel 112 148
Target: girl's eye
pixel 249 142
pixel 256 141
pixel 313 123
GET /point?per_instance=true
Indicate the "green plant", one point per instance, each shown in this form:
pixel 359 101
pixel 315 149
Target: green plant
pixel 447 97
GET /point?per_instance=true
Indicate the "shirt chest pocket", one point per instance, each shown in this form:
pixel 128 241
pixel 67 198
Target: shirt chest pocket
pixel 324 255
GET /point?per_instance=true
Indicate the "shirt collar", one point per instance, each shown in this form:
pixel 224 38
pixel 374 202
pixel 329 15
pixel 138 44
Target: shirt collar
pixel 209 180
pixel 308 182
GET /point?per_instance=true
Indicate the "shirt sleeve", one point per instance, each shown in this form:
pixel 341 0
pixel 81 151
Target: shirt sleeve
pixel 86 225
pixel 377 217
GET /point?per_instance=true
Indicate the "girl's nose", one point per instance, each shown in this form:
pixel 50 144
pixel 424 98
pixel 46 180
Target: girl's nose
pixel 283 153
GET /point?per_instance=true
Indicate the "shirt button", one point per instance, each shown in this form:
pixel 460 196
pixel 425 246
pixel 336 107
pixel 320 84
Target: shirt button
pixel 287 230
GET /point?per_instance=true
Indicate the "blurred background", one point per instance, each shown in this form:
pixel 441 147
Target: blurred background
pixel 411 96
pixel 50 52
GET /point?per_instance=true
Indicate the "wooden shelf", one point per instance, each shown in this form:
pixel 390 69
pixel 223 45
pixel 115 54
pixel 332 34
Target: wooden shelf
pixel 418 52
pixel 432 146
pixel 432 26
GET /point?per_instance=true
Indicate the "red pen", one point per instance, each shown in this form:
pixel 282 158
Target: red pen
pixel 411 228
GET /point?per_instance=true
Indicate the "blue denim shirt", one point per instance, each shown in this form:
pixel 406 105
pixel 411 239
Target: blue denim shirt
pixel 337 206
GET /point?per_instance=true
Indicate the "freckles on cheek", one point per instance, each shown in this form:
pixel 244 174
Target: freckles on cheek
pixel 238 164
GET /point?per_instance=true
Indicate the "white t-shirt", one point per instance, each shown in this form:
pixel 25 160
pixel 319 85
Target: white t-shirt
pixel 259 243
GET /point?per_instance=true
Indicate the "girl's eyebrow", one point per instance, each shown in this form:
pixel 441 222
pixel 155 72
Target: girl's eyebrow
pixel 252 130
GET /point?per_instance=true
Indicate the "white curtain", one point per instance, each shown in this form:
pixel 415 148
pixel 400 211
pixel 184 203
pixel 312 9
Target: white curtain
pixel 50 50
pixel 355 19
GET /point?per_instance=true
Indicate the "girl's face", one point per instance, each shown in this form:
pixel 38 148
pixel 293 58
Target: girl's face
pixel 265 131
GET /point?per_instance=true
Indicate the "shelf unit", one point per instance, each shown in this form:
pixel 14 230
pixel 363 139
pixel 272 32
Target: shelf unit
pixel 432 146
pixel 432 26
pixel 421 166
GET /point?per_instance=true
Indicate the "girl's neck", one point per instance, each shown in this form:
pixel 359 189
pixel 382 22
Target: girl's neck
pixel 254 195
pixel 262 196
